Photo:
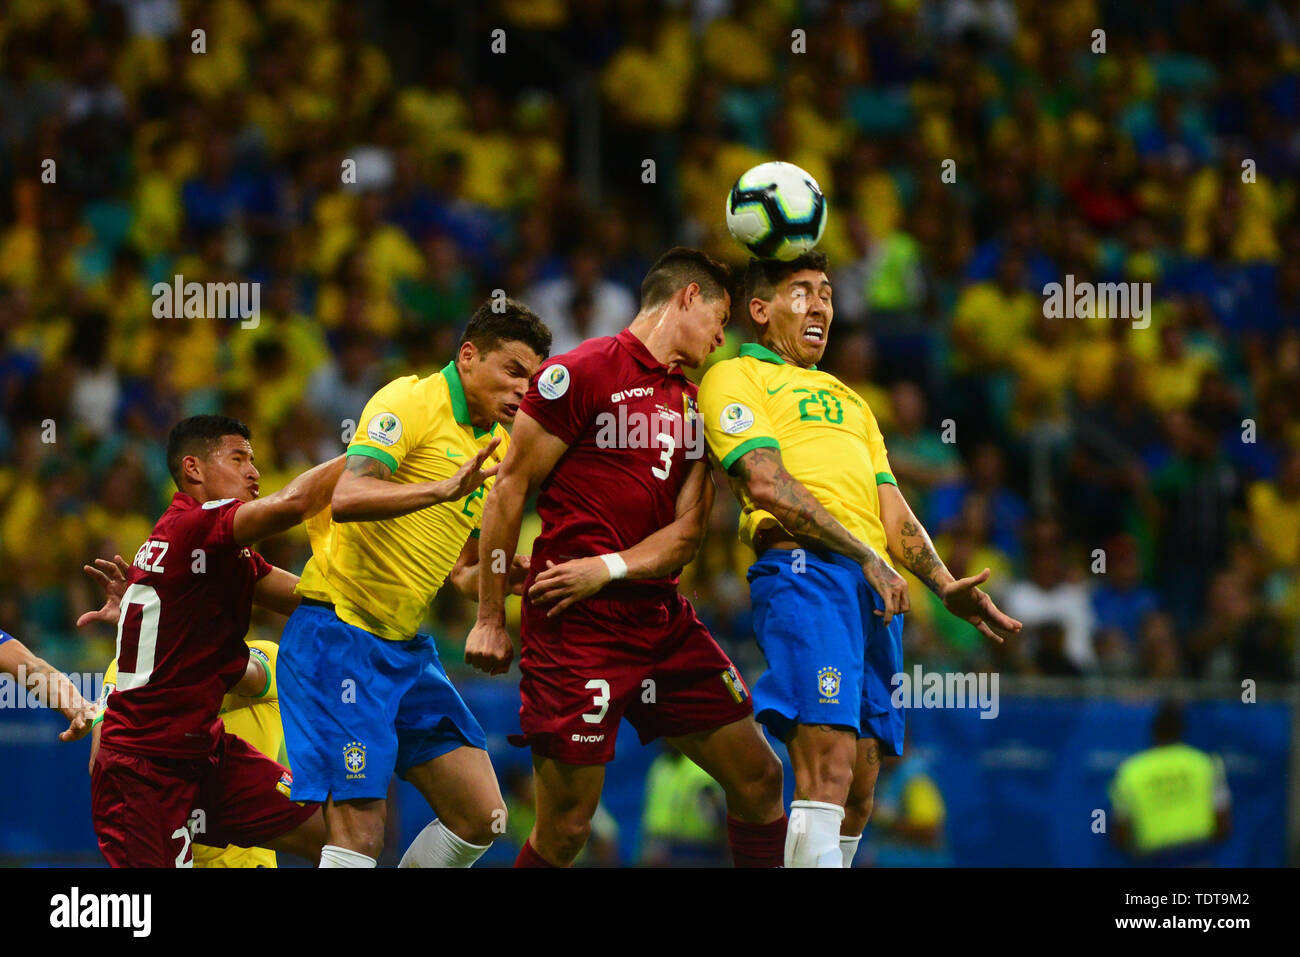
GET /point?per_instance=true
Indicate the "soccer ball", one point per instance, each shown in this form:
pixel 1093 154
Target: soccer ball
pixel 776 211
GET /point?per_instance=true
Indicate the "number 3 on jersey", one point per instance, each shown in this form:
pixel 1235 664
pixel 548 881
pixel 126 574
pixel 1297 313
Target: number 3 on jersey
pixel 600 700
pixel 670 446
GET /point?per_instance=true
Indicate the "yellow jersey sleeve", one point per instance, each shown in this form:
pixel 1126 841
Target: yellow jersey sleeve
pixel 391 424
pixel 876 448
pixel 109 686
pixel 734 414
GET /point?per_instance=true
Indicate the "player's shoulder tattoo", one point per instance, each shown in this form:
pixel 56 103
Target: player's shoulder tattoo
pixel 753 461
pixel 362 465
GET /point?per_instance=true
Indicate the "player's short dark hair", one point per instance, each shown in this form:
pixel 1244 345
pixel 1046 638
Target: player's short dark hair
pixel 199 435
pixel 763 276
pixel 1168 724
pixel 679 267
pixel 510 321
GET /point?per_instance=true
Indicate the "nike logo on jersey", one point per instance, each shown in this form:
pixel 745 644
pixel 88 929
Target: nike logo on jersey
pixel 777 389
pixel 453 455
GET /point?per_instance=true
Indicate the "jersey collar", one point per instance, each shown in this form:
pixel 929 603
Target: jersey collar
pixel 459 407
pixel 762 354
pixel 639 352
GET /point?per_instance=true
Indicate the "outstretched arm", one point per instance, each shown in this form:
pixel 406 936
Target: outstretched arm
pixel 295 503
pixel 532 455
pixel 365 494
pixel 655 556
pixel 763 477
pixel 910 544
pixel 52 687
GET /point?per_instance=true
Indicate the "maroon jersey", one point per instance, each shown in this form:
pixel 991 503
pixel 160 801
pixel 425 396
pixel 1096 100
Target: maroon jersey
pixel 633 431
pixel 180 634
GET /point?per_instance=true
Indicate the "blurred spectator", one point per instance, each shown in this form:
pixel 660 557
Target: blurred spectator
pixel 1191 497
pixel 987 476
pixel 339 390
pixel 1170 802
pixel 1048 597
pixel 1274 509
pixel 1121 601
pixel 1239 639
pixel 684 823
pixel 582 305
pixel 908 821
pixel 921 460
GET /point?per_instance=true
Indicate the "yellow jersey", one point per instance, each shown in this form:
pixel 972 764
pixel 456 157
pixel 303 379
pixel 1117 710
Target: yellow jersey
pixel 381 576
pixel 828 439
pixel 256 719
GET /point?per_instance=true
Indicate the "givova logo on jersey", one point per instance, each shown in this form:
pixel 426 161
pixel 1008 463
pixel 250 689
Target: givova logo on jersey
pixel 354 760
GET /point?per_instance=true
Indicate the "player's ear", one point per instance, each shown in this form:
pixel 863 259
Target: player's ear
pixel 467 352
pixel 690 293
pixel 758 311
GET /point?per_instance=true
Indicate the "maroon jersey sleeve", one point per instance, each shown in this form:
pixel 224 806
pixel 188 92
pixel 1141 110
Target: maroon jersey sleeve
pixel 211 525
pixel 261 567
pixel 562 396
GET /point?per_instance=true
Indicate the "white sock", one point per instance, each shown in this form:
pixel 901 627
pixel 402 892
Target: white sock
pixel 812 838
pixel 848 848
pixel 437 846
pixel 331 855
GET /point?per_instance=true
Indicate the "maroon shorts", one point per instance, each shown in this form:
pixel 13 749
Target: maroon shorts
pixel 650 660
pixel 146 810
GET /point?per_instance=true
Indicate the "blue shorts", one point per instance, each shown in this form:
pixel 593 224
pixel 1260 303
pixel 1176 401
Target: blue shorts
pixel 830 660
pixel 357 707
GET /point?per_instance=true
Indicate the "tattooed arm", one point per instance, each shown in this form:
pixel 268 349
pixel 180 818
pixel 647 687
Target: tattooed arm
pixel 761 474
pixel 910 544
pixel 365 494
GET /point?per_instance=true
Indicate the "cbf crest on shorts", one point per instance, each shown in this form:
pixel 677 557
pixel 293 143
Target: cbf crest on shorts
pixel 828 685
pixel 354 760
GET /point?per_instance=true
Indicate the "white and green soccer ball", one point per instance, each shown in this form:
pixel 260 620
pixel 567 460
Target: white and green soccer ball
pixel 776 211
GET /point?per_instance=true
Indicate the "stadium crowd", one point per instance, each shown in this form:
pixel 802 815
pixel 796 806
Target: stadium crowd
pixel 1135 490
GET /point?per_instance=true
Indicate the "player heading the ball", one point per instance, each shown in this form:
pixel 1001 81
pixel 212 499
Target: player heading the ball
pixel 824 516
pixel 605 634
